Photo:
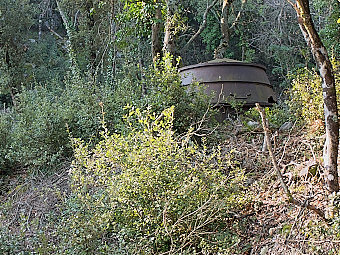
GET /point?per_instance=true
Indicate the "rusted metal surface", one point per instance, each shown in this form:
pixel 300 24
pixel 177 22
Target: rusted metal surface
pixel 230 80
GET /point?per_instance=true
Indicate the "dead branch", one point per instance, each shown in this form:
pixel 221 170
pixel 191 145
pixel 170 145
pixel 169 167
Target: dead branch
pixel 291 199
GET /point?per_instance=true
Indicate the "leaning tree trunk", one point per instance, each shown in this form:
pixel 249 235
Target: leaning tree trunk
pixel 156 46
pixel 329 93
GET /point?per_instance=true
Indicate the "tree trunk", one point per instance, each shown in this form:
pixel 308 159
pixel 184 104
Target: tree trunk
pixel 156 46
pixel 329 93
pixel 169 33
pixel 69 32
pixel 221 49
pixel 14 100
pixel 91 37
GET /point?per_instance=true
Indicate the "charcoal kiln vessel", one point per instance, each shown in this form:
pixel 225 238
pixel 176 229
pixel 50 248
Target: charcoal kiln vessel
pixel 229 80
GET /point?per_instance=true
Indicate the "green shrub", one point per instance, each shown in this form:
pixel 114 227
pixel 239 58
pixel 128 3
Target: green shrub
pixel 38 134
pixel 164 89
pixel 306 95
pixel 5 130
pixel 39 137
pixel 276 115
pixel 11 243
pixel 147 193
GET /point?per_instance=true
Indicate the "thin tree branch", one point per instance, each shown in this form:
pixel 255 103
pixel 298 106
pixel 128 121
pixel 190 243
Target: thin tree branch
pixel 291 199
pixel 238 15
pixel 202 26
pixel 292 4
pixel 54 32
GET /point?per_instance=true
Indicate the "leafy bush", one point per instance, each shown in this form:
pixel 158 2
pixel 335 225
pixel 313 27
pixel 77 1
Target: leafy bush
pixel 276 115
pixel 39 137
pixel 16 19
pixel 5 130
pixel 164 89
pixel 148 193
pixel 306 94
pixel 10 243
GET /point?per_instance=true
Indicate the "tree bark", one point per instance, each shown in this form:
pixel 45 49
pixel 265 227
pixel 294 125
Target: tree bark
pixel 329 93
pixel 69 32
pixel 91 38
pixel 156 46
pixel 221 49
pixel 169 33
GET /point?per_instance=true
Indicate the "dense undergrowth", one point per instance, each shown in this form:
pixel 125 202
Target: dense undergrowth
pixel 143 180
pixel 36 131
pixel 151 194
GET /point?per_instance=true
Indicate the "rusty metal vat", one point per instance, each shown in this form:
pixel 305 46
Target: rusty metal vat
pixel 229 80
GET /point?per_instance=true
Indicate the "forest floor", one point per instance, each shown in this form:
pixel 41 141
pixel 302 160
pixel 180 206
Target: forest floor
pixel 270 224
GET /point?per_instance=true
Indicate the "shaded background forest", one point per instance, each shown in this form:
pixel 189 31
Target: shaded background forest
pixel 103 36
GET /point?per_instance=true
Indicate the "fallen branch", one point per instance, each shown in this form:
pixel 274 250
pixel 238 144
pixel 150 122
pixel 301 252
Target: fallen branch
pixel 291 199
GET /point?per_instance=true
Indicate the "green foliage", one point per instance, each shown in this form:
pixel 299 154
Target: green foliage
pixel 38 133
pixel 24 58
pixel 37 137
pixel 328 11
pixel 45 62
pixel 164 89
pixel 5 125
pixel 91 28
pixel 15 19
pixel 211 34
pixel 279 114
pixel 306 94
pixel 11 243
pixel 147 193
pixel 141 13
pixel 276 115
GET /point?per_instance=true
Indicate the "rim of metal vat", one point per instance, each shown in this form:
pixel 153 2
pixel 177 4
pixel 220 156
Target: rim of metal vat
pixel 241 78
pixel 224 62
